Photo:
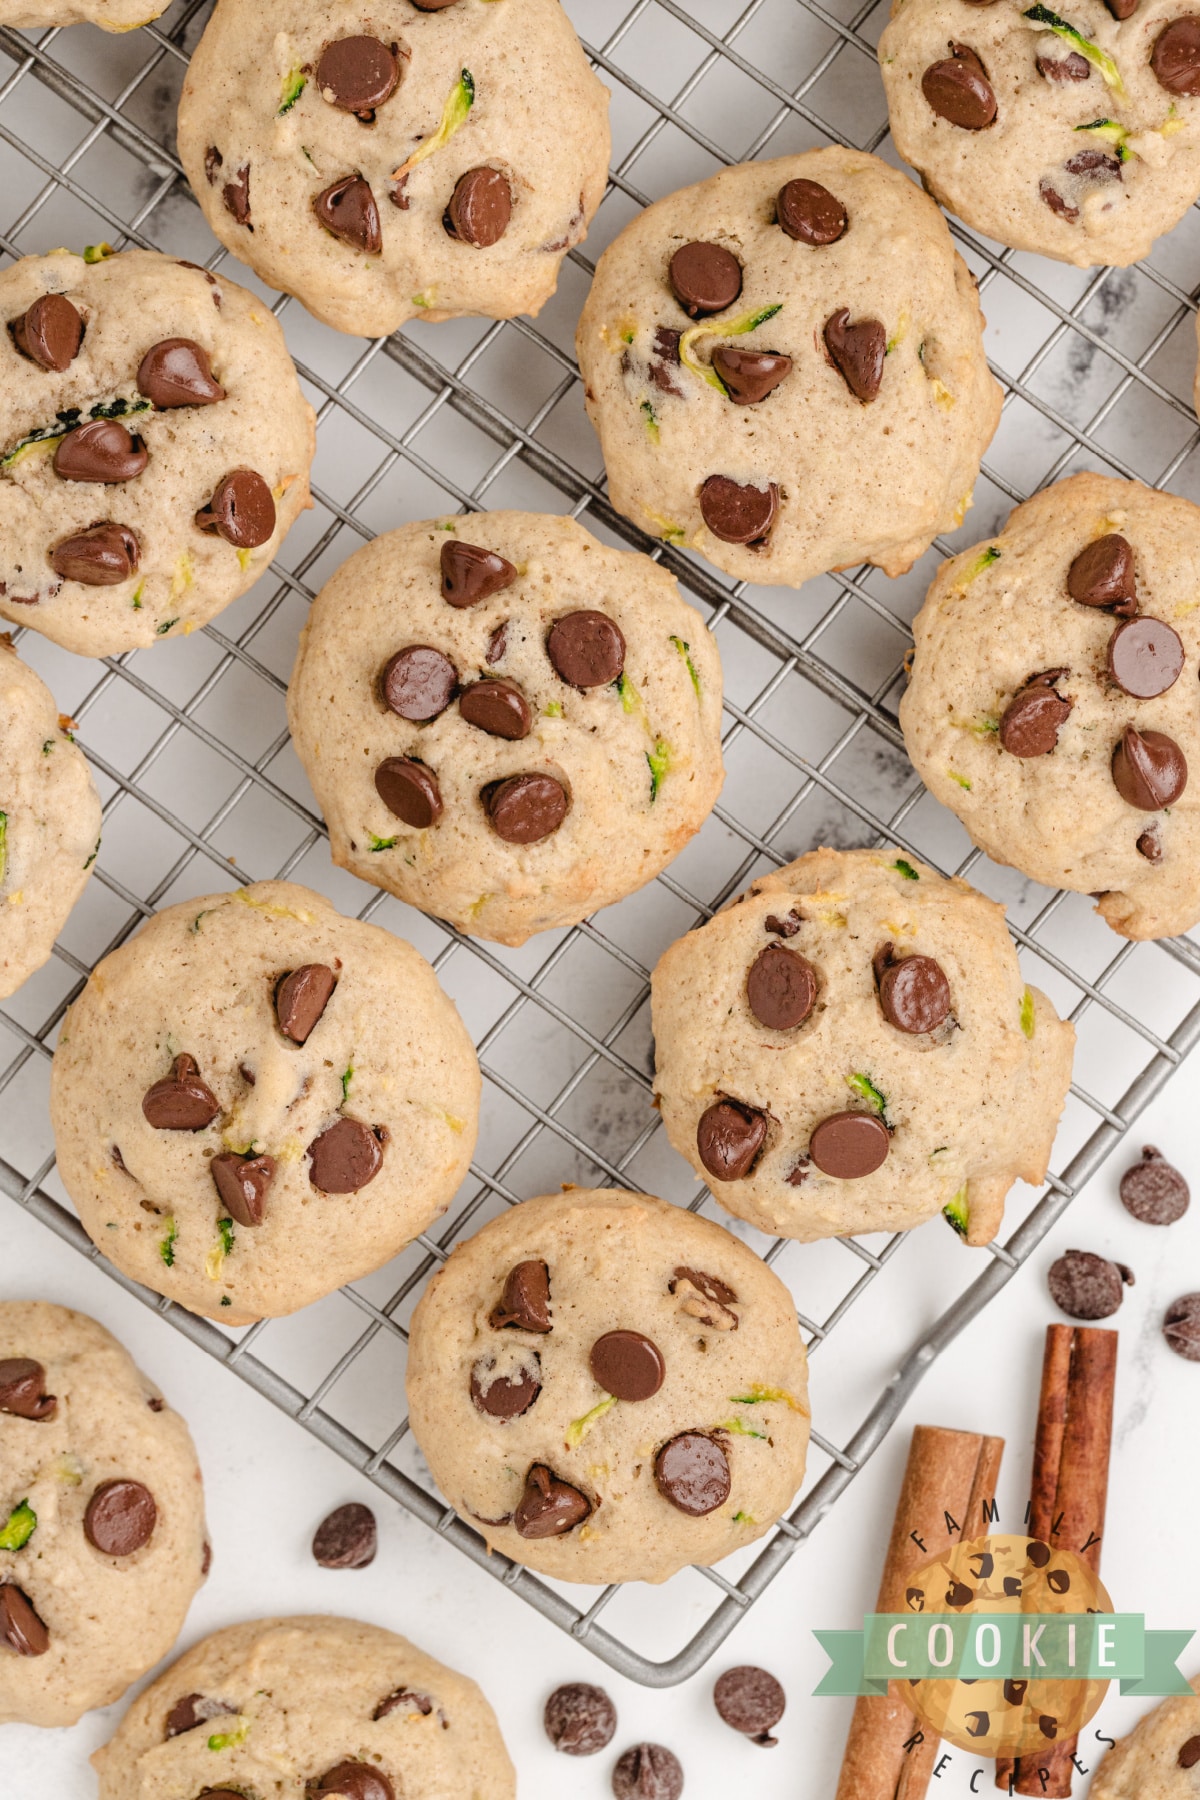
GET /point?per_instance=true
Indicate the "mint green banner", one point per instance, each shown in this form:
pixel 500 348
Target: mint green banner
pixel 1003 1646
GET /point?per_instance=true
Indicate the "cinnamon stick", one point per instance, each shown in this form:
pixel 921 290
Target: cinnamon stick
pixel 1068 1497
pixel 951 1477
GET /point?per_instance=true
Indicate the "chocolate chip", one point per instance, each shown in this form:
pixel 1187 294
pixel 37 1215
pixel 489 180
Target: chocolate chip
pixel 1149 845
pixel 102 556
pixel 525 808
pixel 1086 1286
pixel 587 649
pixel 1154 1191
pixel 23 1389
pixel 243 1183
pixel 711 1286
pixel 809 213
pixel 627 1365
pixel 1096 165
pixel 706 278
pixel 579 1719
pixel 347 209
pixel 1181 1328
pixel 357 74
pixel 700 1298
pixel 345 1157
pixel 1122 9
pixel 480 208
pixel 1175 58
pixel 737 514
pixel 419 683
pixel 407 1701
pixel 177 373
pixel 1103 574
pixel 1189 1753
pixel 787 927
pixel 857 352
pixel 1033 718
pixel 1149 769
pixel 49 333
pixel 750 375
pixel 505 1396
pixel 850 1145
pixel 1065 68
pixel 206 1560
pixel 665 360
pixel 100 451
pixel 235 193
pixel 356 1781
pixel 1054 200
pixel 429 6
pixel 549 1507
pixel 20 1627
pixel 192 1711
pixel 347 1539
pixel 1058 1581
pixel 729 1138
pixel 409 791
pixel 914 994
pixel 181 1101
pixel 120 1517
pixel 1145 657
pixel 497 707
pixel 647 1772
pixel 692 1472
pixel 242 510
pixel 959 91
pixel 301 999
pixel 1037 1553
pixel 471 574
pixel 525 1302
pixel 781 988
pixel 751 1701
pixel 1014 1691
pixel 213 161
pixel 497 645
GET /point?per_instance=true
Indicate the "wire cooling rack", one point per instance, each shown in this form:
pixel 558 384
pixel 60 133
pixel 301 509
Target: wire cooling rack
pixel 201 790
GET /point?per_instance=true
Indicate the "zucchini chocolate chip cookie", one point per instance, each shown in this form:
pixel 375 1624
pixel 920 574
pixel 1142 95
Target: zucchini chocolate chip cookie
pixel 1159 1758
pixel 154 446
pixel 49 821
pixel 110 15
pixel 255 1100
pixel 850 1046
pixel 505 722
pixel 102 1539
pixel 785 366
pixel 1053 701
pixel 309 1706
pixel 1072 133
pixel 406 159
pixel 609 1388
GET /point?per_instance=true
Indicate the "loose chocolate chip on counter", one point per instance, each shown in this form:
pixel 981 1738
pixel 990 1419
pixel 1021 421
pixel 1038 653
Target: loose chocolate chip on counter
pixel 50 332
pixel 347 209
pixel 1149 845
pixel 1065 68
pixel 525 808
pixel 356 1781
pixel 729 1138
pixel 235 193
pixel 242 510
pixel 1033 718
pixel 648 1772
pixel 751 1701
pixel 194 1710
pixel 100 451
pixel 706 278
pixel 480 208
pixel 750 375
pixel 587 649
pixel 738 514
pixel 1189 1753
pixel 1149 770
pixel 525 1302
pixel 177 373
pixel 809 213
pixel 345 1157
pixel 243 1183
pixel 471 574
pixel 20 1627
pixel 1154 1191
pixel 181 1101
pixel 579 1719
pixel 357 74
pixel 1175 58
pixel 1086 1286
pixel 1145 657
pixel 627 1365
pixel 23 1389
pixel 301 999
pixel 781 988
pixel 959 91
pixel 504 1396
pixel 549 1507
pixel 692 1472
pixel 850 1145
pixel 120 1517
pixel 347 1539
pixel 404 1700
pixel 1181 1328
pixel 914 994
pixel 102 556
pixel 418 683
pixel 409 791
pixel 857 352
pixel 497 707
pixel 1103 574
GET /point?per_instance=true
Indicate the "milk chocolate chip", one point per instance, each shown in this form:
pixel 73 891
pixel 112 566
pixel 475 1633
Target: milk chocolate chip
pixel 102 556
pixel 525 808
pixel 1175 58
pixel 504 1396
pixel 356 1781
pixel 850 1145
pixel 347 1539
pixel 692 1472
pixel 409 791
pixel 181 1101
pixel 243 1183
pixel 347 209
pixel 120 1517
pixel 345 1157
pixel 192 1711
pixel 781 988
pixel 1149 769
pixel 525 1302
pixel 23 1389
pixel 729 1139
pixel 549 1507
pixel 20 1627
pixel 1145 657
pixel 1033 718
pixel 738 514
pixel 587 649
pixel 480 208
pixel 101 451
pixel 497 707
pixel 177 373
pixel 706 278
pixel 242 510
pixel 471 574
pixel 809 213
pixel 580 1719
pixel 857 352
pixel 751 1701
pixel 1065 68
pixel 235 193
pixel 49 333
pixel 357 74
pixel 914 994
pixel 419 683
pixel 750 375
pixel 627 1364
pixel 301 999
pixel 959 91
pixel 1103 574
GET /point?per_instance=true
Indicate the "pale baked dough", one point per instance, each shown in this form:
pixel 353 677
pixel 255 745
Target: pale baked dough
pixel 1145 1765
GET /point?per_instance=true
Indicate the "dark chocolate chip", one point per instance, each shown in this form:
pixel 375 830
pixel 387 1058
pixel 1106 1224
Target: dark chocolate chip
pixel 471 574
pixel 1149 845
pixel 1181 1328
pixel 497 645
pixel 206 1556
pixel 1048 1725
pixel 120 1517
pixel 809 213
pixel 665 360
pixel 1149 769
pixel 1175 58
pixel 549 1507
pixel 192 1711
pixel 20 1627
pixel 23 1389
pixel 1145 657
pixel 587 649
pixel 181 1101
pixel 1154 1191
pixel 347 209
pixel 356 1781
pixel 49 333
pixel 404 1700
pixel 525 808
pixel 692 1472
pixel 1122 9
pixel 738 514
pixel 430 6
pixel 627 1365
pixel 711 1286
pixel 787 927
pixel 505 1396
pixel 850 1145
pixel 1037 1553
pixel 177 373
pixel 419 683
pixel 1054 200
pixel 409 791
pixel 525 1302
pixel 243 1183
pixel 751 1701
pixel 1058 1581
pixel 480 208
pixel 357 74
pixel 102 556
pixel 781 988
pixel 213 161
pixel 347 1539
pixel 235 193
pixel 959 91
pixel 1014 1691
pixel 242 510
pixel 1097 165
pixel 345 1157
pixel 706 278
pixel 729 1138
pixel 1103 574
pixel 857 352
pixel 1065 68
pixel 750 375
pixel 914 994
pixel 579 1719
pixel 648 1772
pixel 1033 718
pixel 1086 1286
pixel 1189 1753
pixel 497 707
pixel 301 999
pixel 100 451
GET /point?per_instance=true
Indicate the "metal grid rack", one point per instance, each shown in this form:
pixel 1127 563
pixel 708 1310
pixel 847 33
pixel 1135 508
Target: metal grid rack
pixel 190 746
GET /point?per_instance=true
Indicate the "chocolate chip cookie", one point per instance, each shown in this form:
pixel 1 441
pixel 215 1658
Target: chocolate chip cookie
pixel 308 1706
pixel 399 160
pixel 850 1046
pixel 1070 133
pixel 255 1100
pixel 49 821
pixel 505 722
pixel 785 366
pixel 608 1387
pixel 110 15
pixel 154 447
pixel 1159 1758
pixel 102 1538
pixel 1052 704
